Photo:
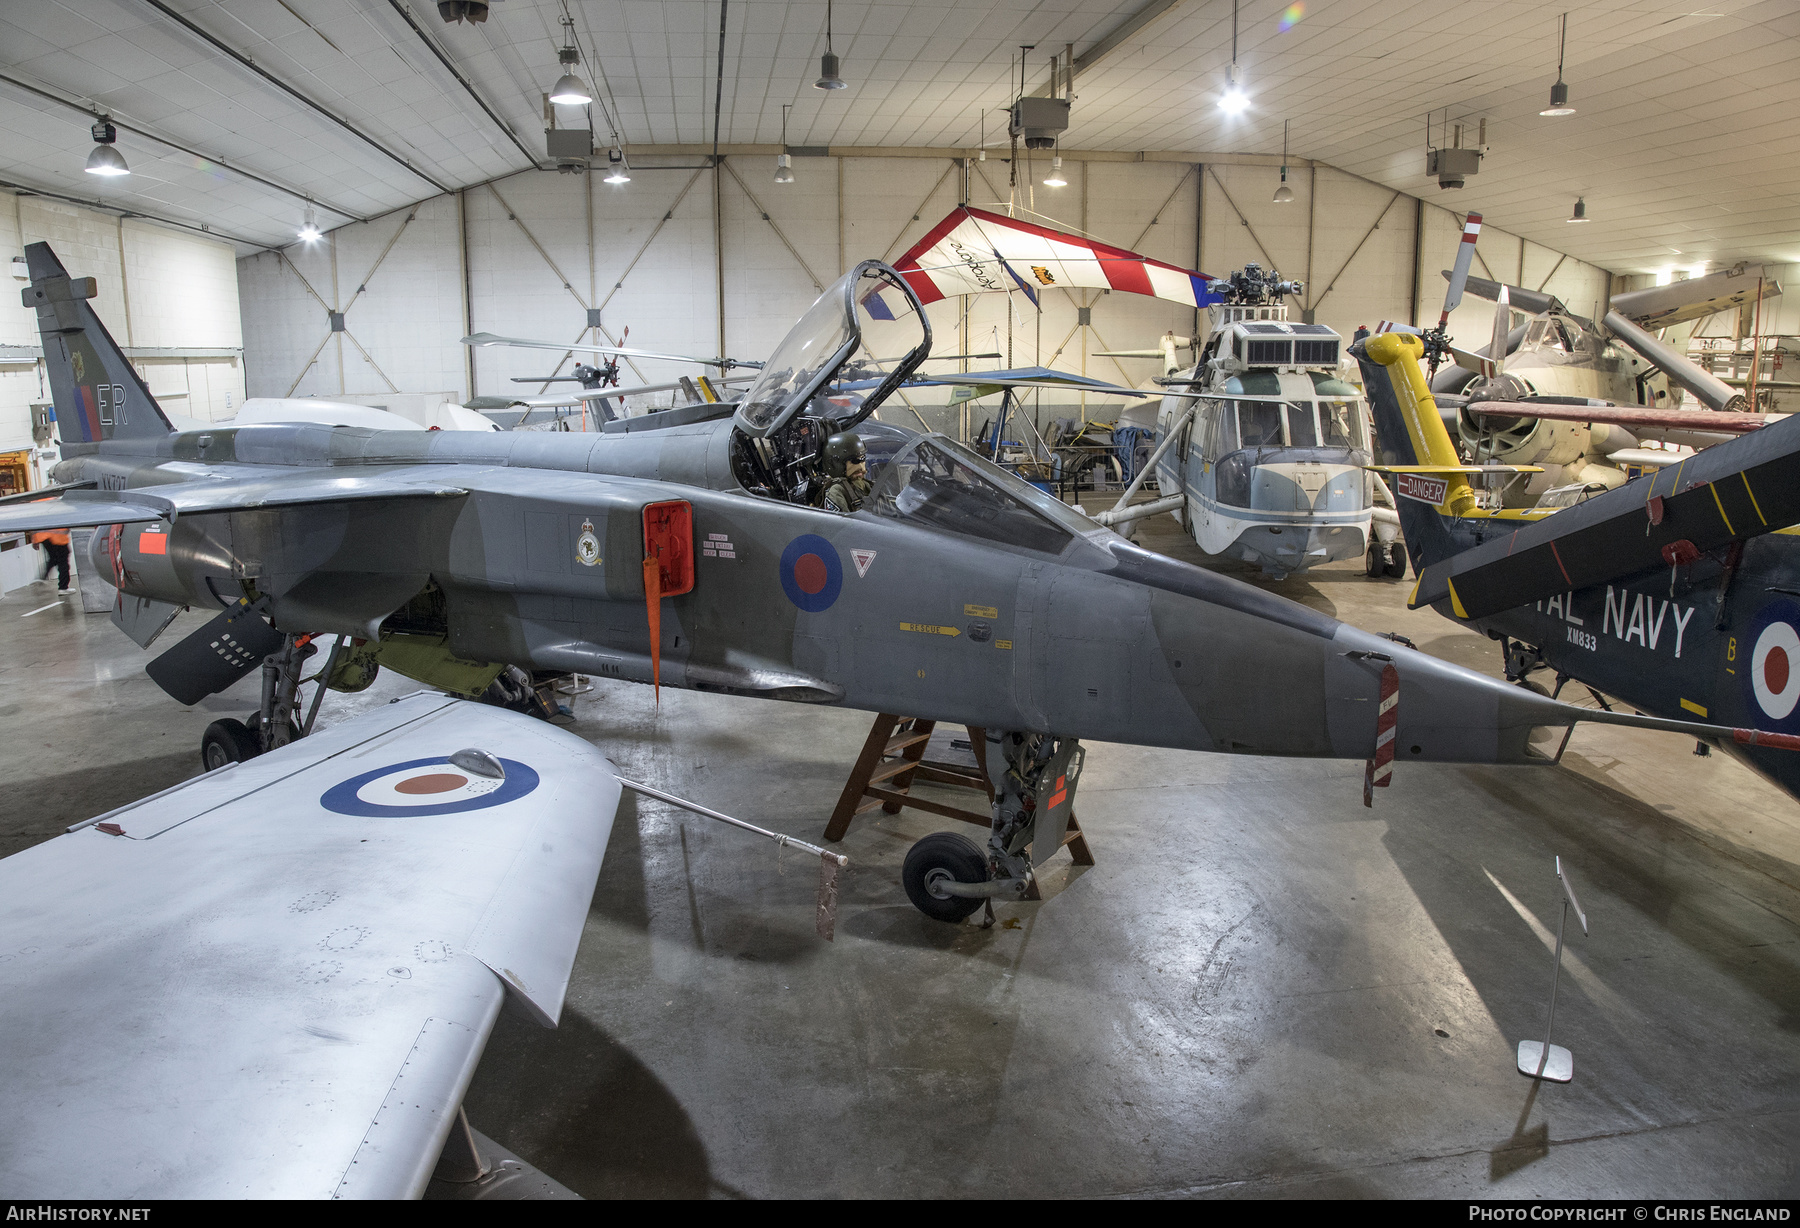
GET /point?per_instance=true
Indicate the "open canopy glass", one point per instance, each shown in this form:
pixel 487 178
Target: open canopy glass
pixel 867 324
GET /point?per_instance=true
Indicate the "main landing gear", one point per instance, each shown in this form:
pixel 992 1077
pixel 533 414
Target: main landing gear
pixel 948 877
pixel 277 719
pixel 1388 560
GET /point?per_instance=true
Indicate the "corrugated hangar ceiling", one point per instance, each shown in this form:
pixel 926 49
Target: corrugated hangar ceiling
pixel 1685 143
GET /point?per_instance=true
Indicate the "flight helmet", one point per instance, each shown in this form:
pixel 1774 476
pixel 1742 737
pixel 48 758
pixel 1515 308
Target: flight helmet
pixel 842 451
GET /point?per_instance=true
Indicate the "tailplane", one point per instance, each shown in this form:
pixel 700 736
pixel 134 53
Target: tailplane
pixel 97 393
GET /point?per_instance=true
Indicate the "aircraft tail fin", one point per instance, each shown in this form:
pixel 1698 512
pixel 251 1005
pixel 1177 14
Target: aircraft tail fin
pixel 1412 433
pixel 97 393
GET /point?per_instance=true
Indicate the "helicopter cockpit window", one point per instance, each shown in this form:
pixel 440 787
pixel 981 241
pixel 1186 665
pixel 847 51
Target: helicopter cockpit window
pixel 869 316
pixel 1302 429
pixel 1259 423
pixel 1340 424
pixel 934 486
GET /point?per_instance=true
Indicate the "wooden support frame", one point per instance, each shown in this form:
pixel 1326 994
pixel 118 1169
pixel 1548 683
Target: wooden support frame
pixel 893 758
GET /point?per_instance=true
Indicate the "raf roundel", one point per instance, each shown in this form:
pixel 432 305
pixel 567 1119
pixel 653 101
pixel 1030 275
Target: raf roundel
pixel 1775 670
pixel 422 788
pixel 812 575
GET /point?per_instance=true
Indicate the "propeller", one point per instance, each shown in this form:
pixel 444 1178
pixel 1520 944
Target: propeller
pixel 528 344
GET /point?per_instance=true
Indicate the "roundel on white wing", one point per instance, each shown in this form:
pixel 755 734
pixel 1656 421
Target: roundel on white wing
pixel 1775 670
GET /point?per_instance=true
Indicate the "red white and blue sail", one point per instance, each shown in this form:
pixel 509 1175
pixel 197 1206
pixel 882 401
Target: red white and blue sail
pixel 973 251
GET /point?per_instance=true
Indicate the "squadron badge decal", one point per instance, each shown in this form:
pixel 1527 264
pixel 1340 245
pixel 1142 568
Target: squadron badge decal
pixel 587 546
pixel 812 575
pixel 422 788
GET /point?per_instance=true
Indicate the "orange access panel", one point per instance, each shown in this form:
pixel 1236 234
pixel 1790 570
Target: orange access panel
pixel 669 539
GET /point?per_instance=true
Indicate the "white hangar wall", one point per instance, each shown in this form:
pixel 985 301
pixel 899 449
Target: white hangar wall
pixel 169 298
pixel 703 262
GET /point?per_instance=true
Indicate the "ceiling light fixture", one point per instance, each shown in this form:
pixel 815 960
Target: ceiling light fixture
pixel 309 231
pixel 784 163
pixel 1284 194
pixel 1580 214
pixel 828 63
pixel 1055 178
pixel 105 160
pixel 617 171
pixel 570 90
pixel 1233 101
pixel 1559 93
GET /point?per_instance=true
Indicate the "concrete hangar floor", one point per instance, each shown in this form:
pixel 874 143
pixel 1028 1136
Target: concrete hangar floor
pixel 1261 989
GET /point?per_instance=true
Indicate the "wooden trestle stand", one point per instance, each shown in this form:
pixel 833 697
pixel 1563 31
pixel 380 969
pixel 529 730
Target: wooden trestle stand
pixel 893 757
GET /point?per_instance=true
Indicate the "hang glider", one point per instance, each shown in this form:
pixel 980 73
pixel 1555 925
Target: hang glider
pixel 276 979
pixel 973 251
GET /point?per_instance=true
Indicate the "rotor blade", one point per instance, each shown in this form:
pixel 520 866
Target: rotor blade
pixel 1536 302
pixel 1465 254
pixel 1708 388
pixel 1628 416
pixel 601 394
pixel 528 344
pixel 1496 359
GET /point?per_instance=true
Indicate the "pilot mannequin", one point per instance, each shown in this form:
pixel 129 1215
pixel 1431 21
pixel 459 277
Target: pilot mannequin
pixel 846 467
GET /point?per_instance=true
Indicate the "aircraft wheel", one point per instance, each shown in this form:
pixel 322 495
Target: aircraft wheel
pixel 940 853
pixel 1375 566
pixel 227 741
pixel 1396 566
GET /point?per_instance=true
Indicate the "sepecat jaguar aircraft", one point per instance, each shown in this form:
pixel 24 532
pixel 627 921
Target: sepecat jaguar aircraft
pixel 683 548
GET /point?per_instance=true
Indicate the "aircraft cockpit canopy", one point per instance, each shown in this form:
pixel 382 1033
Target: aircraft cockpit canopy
pixel 938 484
pixel 869 317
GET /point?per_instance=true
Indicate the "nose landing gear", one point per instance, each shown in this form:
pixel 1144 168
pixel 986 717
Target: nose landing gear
pixel 948 877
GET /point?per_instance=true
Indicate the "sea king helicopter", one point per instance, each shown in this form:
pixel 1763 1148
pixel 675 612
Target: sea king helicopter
pixel 687 554
pixel 1263 443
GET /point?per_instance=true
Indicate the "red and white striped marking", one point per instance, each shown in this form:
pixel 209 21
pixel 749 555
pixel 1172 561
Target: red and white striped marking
pixel 1379 772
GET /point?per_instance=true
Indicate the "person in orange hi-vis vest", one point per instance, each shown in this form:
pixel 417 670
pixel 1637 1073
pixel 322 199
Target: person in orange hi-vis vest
pixel 56 555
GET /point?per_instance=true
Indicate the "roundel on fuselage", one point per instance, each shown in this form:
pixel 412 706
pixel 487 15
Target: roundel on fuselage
pixel 1775 670
pixel 1768 662
pixel 812 575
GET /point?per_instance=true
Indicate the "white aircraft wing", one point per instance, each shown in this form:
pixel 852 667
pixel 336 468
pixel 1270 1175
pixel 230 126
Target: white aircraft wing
pixel 276 979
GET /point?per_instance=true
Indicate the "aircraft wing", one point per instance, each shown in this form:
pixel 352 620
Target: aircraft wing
pixel 1628 416
pixel 276 979
pixel 83 508
pixel 1680 301
pixel 1732 491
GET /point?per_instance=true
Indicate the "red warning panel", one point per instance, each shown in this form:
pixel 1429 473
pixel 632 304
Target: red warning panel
pixel 669 539
pixel 153 543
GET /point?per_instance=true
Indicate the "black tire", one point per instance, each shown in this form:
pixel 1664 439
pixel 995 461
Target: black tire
pixel 227 741
pixel 943 850
pixel 1375 565
pixel 1396 566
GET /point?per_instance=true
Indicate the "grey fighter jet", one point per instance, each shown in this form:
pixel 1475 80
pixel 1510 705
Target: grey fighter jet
pixel 681 549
